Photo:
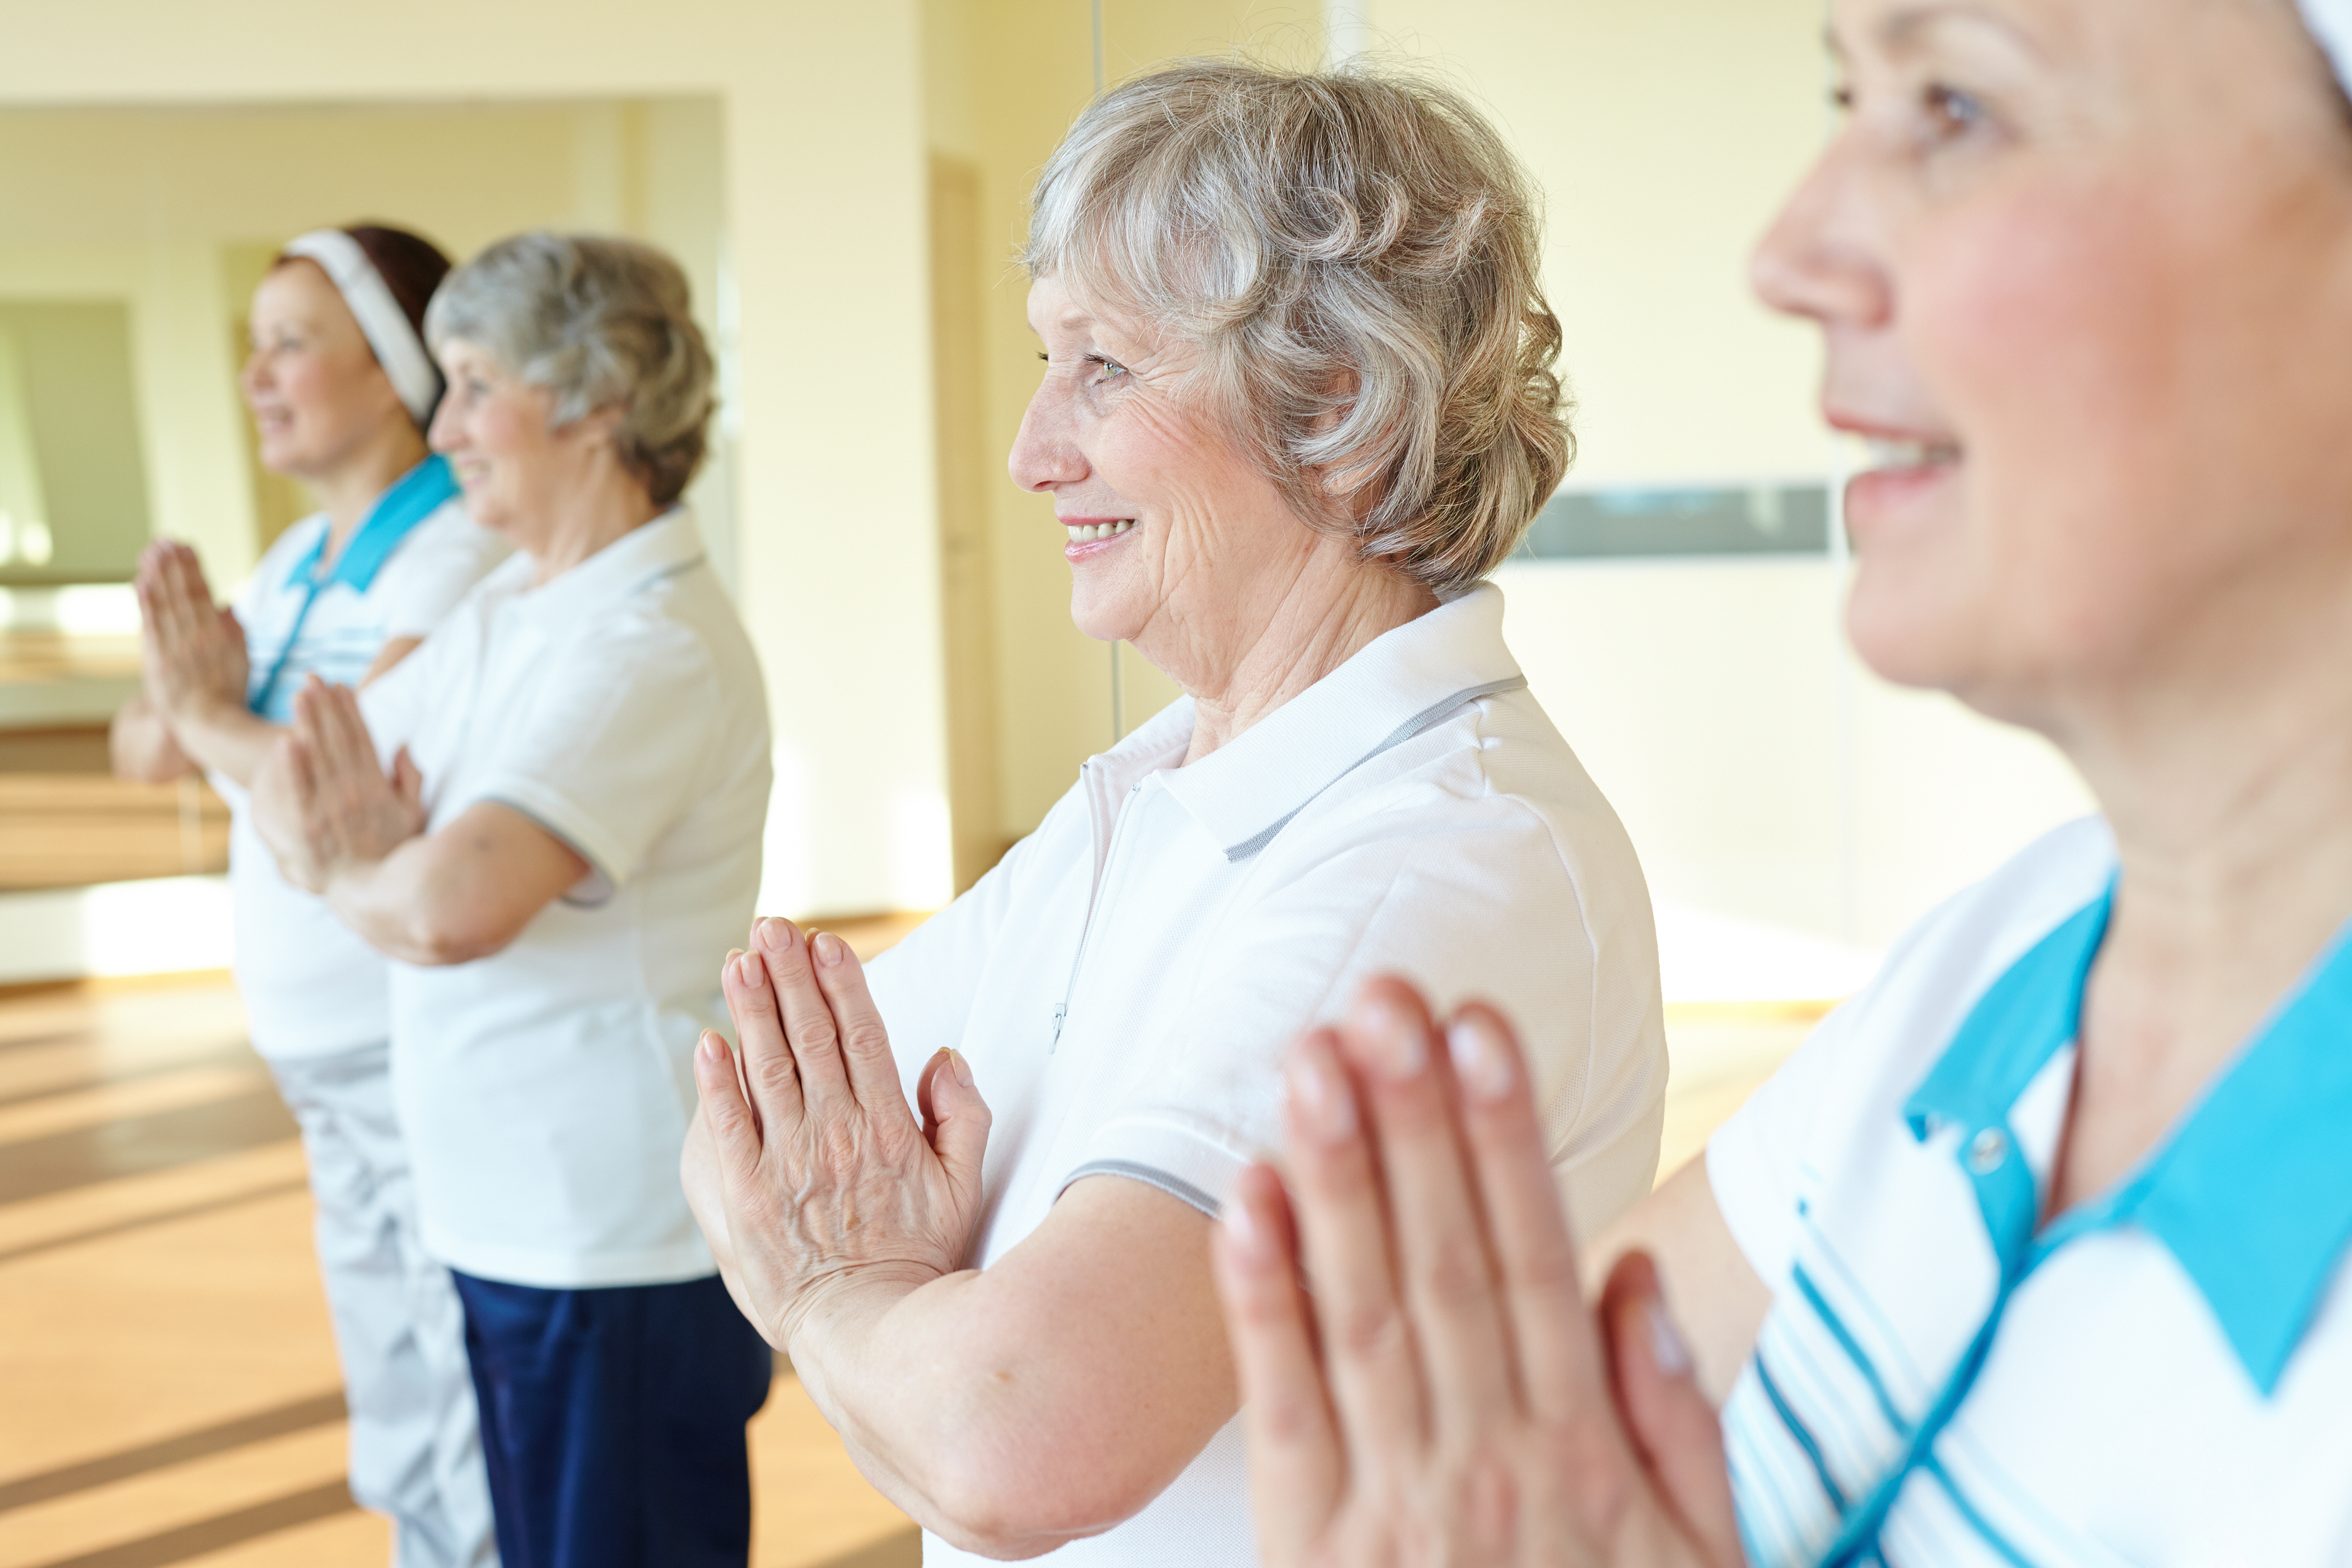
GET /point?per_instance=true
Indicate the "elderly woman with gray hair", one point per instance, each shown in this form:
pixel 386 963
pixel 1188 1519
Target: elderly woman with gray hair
pixel 1298 403
pixel 549 818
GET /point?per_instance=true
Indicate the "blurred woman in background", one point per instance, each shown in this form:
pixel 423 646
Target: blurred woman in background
pixel 341 390
pixel 2036 1251
pixel 550 819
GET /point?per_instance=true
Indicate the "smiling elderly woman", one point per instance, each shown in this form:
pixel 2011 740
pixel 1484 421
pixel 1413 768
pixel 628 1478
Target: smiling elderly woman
pixel 549 818
pixel 2040 1250
pixel 1298 403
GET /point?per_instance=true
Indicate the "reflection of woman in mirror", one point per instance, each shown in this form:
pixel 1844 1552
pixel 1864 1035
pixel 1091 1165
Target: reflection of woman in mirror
pixel 1298 403
pixel 550 815
pixel 2039 1250
pixel 341 390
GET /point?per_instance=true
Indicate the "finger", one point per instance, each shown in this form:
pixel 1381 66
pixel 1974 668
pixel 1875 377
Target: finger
pixel 955 1119
pixel 808 1020
pixel 1343 1226
pixel 1559 1354
pixel 864 1040
pixel 724 1114
pixel 1668 1422
pixel 1438 1234
pixel 347 731
pixel 769 1074
pixel 409 780
pixel 1297 1472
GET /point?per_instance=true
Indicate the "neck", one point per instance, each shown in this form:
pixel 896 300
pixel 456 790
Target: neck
pixel 2230 791
pixel 1279 641
pixel 607 504
pixel 354 487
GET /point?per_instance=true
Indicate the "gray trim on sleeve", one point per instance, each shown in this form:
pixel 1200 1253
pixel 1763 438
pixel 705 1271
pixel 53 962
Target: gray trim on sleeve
pixel 1426 719
pixel 598 883
pixel 1176 1187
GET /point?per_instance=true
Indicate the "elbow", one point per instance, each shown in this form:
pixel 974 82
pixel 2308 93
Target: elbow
pixel 993 1506
pixel 439 938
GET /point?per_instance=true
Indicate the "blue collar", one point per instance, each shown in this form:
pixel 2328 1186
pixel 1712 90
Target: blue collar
pixel 413 497
pixel 2252 1192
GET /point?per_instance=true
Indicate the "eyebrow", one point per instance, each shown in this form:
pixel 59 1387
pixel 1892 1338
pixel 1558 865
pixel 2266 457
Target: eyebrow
pixel 1908 26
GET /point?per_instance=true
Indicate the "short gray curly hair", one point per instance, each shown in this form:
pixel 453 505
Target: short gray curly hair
pixel 1357 255
pixel 603 323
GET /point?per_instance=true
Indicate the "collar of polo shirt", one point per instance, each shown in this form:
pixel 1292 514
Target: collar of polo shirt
pixel 2241 1194
pixel 1398 685
pixel 667 545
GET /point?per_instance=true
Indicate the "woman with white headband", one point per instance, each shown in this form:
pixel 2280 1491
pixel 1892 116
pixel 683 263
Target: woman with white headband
pixel 341 390
pixel 2037 1251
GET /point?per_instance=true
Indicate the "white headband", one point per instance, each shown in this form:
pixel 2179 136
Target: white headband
pixel 2330 21
pixel 384 324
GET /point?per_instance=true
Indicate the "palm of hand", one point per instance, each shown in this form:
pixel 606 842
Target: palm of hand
pixel 807 1168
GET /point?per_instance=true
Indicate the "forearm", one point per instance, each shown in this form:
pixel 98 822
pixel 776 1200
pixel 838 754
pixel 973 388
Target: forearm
pixel 225 737
pixel 422 903
pixel 974 1438
pixel 140 747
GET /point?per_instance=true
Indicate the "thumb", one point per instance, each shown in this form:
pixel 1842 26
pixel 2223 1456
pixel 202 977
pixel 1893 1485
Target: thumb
pixel 1672 1427
pixel 407 780
pixel 956 1120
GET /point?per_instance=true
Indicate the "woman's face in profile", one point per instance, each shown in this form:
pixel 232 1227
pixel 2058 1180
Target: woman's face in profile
pixel 316 392
pixel 2083 272
pixel 1164 519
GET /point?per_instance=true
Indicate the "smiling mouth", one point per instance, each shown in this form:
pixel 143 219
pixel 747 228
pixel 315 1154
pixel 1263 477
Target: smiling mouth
pixel 1086 533
pixel 1889 456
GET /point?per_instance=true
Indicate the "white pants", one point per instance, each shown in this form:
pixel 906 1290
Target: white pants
pixel 417 1451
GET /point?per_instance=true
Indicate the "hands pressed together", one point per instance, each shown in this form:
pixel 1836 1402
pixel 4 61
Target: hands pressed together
pixel 807 1169
pixel 322 800
pixel 1445 1395
pixel 192 653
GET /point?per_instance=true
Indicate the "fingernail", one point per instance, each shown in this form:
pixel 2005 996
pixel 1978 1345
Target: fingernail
pixel 960 1068
pixel 1396 1039
pixel 1479 1062
pixel 828 947
pixel 710 1047
pixel 1667 1346
pixel 776 935
pixel 1324 1102
pixel 748 970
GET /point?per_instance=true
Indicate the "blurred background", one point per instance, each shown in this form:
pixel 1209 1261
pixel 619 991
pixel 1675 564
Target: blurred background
pixel 843 185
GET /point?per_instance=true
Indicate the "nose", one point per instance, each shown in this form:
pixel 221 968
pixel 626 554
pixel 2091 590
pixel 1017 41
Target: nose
pixel 1042 454
pixel 446 433
pixel 253 375
pixel 1819 259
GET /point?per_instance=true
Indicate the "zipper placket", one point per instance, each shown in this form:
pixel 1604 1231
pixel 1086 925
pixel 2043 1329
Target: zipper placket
pixel 1095 902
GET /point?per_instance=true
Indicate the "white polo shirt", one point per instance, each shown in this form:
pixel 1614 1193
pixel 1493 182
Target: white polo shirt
pixel 2160 1377
pixel 311 987
pixel 1126 981
pixel 545 1089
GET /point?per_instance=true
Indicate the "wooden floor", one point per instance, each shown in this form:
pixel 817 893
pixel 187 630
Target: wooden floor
pixel 168 1392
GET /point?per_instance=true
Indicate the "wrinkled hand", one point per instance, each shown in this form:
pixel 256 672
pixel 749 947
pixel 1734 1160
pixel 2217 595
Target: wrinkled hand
pixel 805 1167
pixel 1448 1398
pixel 192 654
pixel 321 802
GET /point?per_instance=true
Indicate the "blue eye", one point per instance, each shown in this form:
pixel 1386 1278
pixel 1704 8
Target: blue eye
pixel 1953 112
pixel 1109 368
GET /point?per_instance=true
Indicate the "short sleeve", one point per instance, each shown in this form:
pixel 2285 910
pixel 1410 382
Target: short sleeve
pixel 438 566
pixel 1755 1160
pixel 610 752
pixel 1424 907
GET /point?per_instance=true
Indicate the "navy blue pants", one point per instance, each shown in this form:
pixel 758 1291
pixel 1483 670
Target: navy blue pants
pixel 612 1422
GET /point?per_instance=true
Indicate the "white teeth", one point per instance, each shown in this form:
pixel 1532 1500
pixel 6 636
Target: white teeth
pixel 1910 454
pixel 1081 532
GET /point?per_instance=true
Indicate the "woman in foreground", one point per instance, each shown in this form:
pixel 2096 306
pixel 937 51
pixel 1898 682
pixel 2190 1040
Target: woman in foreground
pixel 1284 452
pixel 2034 1252
pixel 341 390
